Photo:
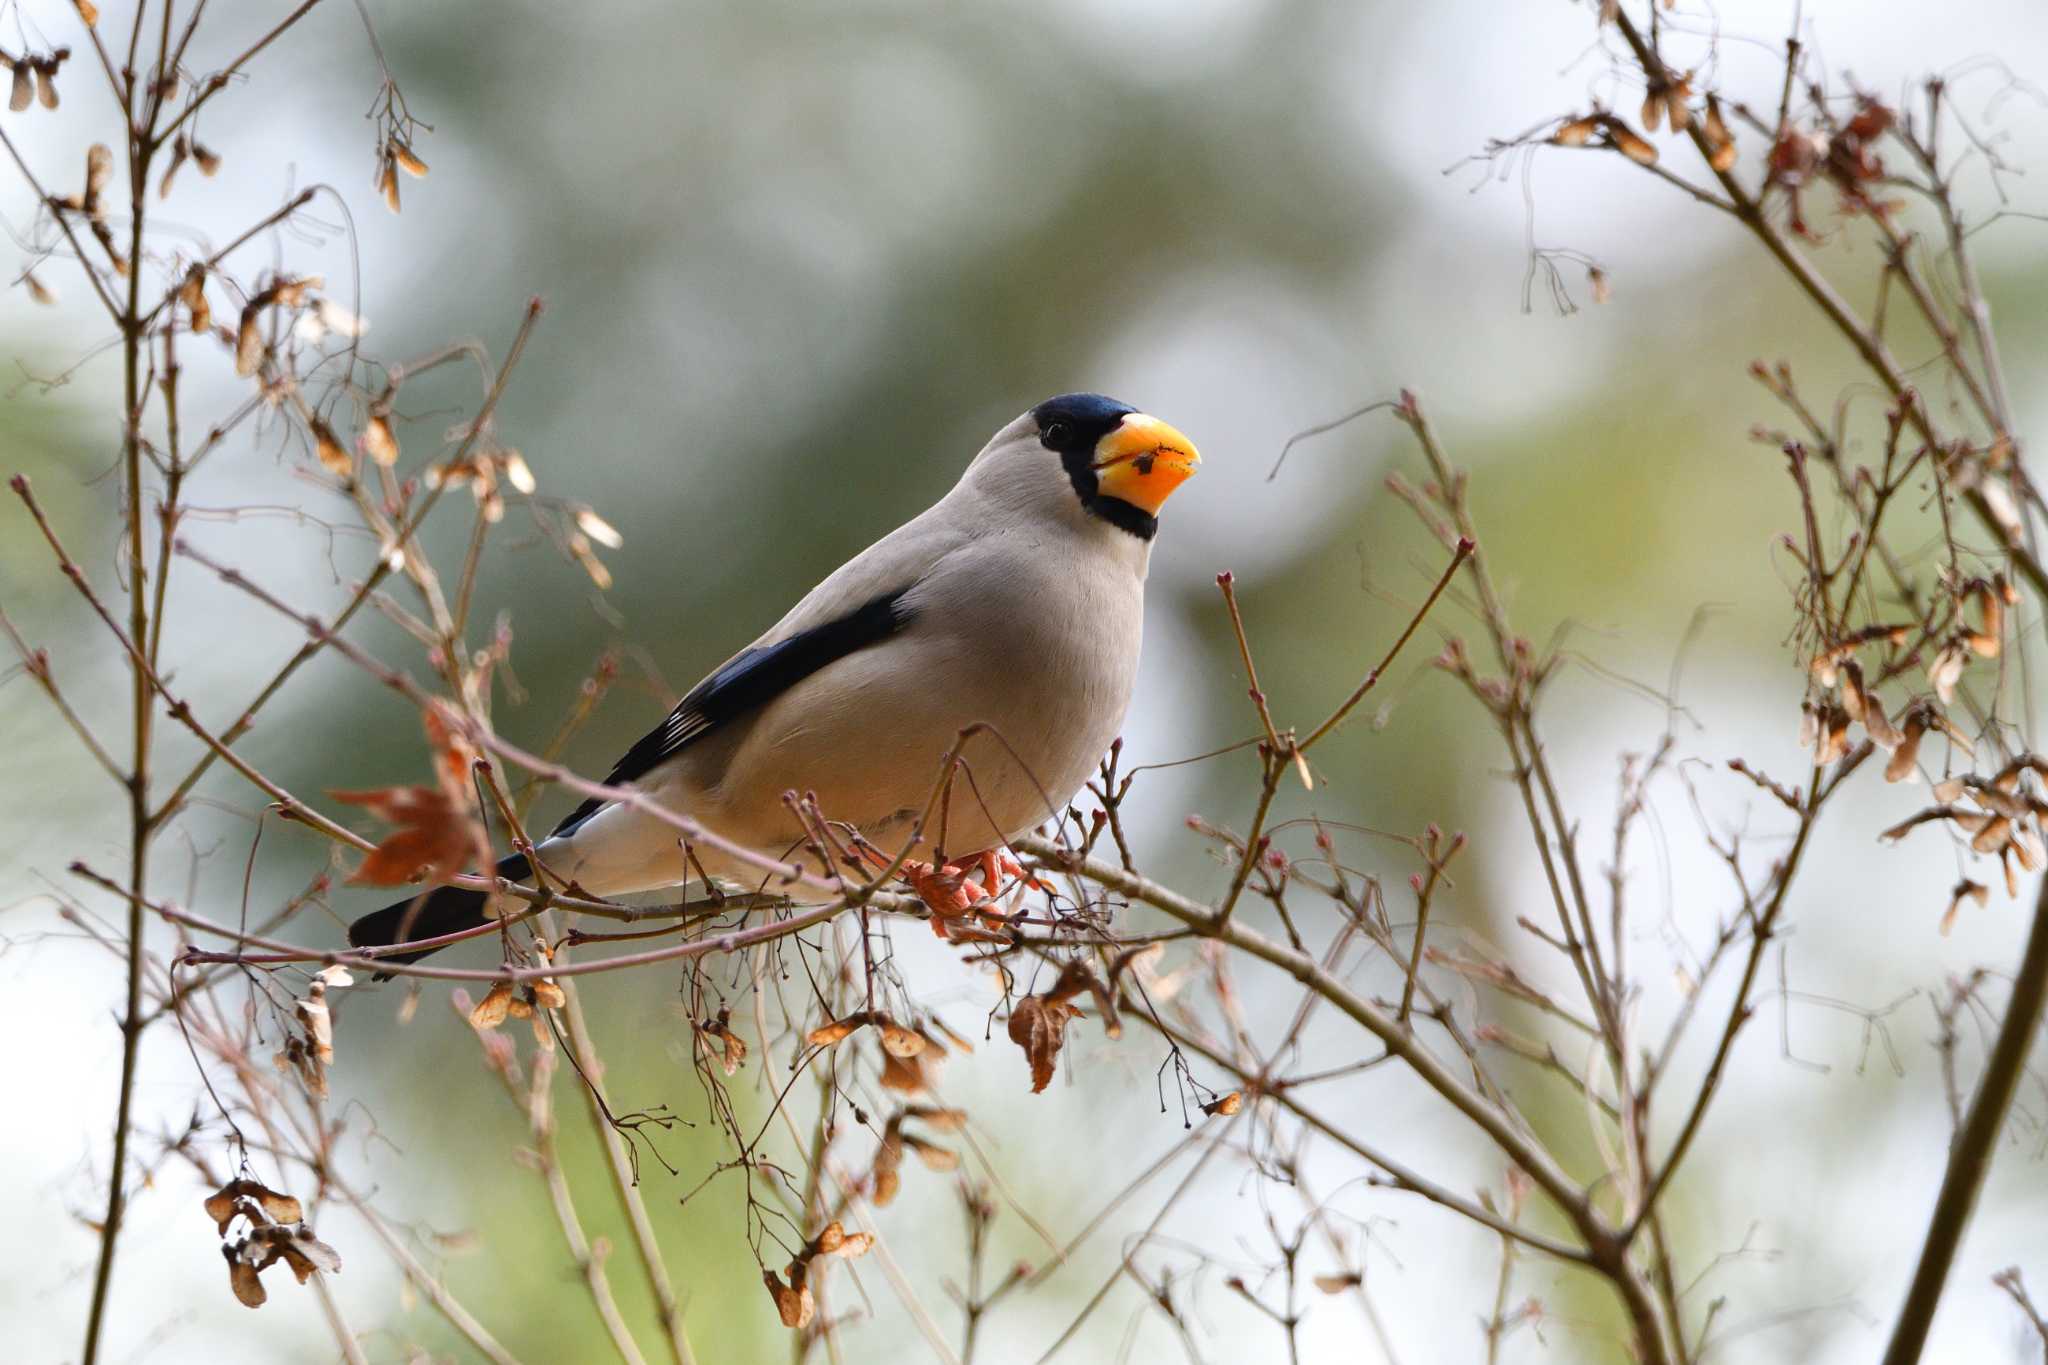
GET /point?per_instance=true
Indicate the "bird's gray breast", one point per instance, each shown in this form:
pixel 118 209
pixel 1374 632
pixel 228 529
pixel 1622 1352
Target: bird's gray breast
pixel 1031 637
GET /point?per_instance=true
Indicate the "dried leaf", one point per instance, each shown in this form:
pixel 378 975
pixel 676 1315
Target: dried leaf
pixel 88 12
pixel 549 995
pixel 1337 1284
pixel 434 836
pixel 1040 1028
pixel 1224 1105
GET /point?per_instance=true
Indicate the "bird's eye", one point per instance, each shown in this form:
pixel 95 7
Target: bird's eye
pixel 1056 433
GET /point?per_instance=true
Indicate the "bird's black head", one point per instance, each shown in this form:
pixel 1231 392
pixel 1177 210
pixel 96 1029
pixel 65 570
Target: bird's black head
pixel 1122 463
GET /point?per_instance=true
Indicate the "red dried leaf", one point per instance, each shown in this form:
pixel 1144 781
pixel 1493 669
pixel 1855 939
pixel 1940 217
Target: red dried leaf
pixel 433 837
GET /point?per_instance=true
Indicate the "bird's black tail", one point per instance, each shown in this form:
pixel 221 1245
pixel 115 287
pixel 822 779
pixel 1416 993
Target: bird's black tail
pixel 444 910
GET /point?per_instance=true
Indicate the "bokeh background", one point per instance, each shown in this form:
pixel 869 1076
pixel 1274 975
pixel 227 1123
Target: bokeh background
pixel 799 259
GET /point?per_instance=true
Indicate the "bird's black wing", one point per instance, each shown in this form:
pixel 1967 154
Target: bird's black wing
pixel 751 678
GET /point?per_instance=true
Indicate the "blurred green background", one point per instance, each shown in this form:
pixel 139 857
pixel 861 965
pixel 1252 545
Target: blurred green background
pixel 799 260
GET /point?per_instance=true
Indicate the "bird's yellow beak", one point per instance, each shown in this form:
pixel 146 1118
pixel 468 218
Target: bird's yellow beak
pixel 1143 461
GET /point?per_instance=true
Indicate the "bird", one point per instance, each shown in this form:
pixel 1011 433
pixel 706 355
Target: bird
pixel 1010 612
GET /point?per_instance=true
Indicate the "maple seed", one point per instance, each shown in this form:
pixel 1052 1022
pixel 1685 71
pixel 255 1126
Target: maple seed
pixel 1630 145
pixel 1576 133
pixel 793 1302
pixel 334 456
pixel 899 1041
pixel 407 161
pixel 825 1035
pixel 1225 1105
pixel 24 87
pixel 493 1009
pixel 598 529
pixel 378 442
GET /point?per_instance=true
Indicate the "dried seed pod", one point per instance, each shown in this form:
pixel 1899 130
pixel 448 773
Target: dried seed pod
pixel 517 472
pixel 1576 133
pixel 899 1041
pixel 407 161
pixel 99 169
pixel 1963 890
pixel 46 83
pixel 1992 834
pixel 1946 670
pixel 205 158
pixel 1985 641
pixel 1722 142
pixel 1904 765
pixel 387 182
pixel 598 529
pixel 24 86
pixel 37 290
pixel 494 1008
pixel 333 456
pixel 1852 690
pixel 378 441
pixel 1629 144
pixel 249 346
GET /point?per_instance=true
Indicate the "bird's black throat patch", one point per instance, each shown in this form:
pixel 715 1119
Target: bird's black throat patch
pixel 1071 425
